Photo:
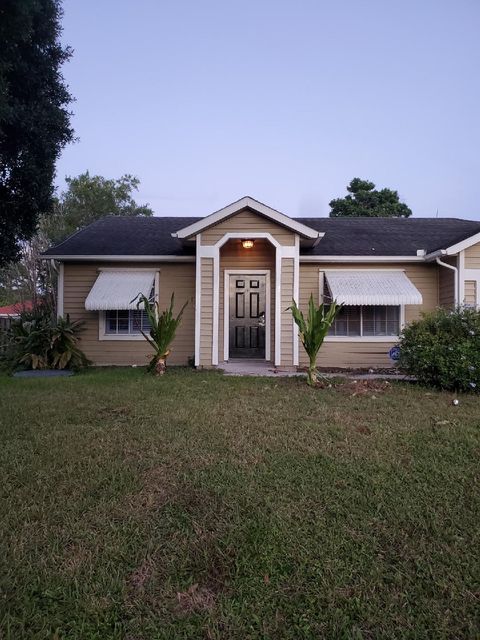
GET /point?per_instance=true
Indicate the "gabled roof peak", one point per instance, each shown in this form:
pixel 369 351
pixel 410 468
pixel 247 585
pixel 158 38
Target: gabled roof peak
pixel 247 202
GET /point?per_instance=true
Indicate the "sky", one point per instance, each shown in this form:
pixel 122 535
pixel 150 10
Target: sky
pixel 286 101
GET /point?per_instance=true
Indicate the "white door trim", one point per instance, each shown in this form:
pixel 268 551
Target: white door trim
pixel 60 289
pixel 296 296
pixel 198 298
pixel 226 308
pixel 213 251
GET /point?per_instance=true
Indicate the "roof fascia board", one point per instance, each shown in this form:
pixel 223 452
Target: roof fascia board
pixel 454 248
pixel 464 244
pixel 117 258
pixel 251 203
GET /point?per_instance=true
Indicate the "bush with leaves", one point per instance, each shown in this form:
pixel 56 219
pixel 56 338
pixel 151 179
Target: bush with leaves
pixel 442 349
pixel 28 341
pixel 37 340
pixel 64 352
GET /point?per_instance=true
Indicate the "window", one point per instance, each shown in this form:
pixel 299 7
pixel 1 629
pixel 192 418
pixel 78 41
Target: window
pixel 126 322
pixel 367 321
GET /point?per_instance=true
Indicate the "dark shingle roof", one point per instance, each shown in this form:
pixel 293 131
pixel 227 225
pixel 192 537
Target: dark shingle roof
pixel 123 236
pixel 388 236
pixel 141 236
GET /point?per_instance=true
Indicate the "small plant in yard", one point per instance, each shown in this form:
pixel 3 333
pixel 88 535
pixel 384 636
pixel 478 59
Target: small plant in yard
pixel 36 340
pixel 64 352
pixel 28 341
pixel 442 349
pixel 313 330
pixel 162 332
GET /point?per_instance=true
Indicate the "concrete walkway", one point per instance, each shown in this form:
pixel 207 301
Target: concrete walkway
pixel 262 368
pixel 255 368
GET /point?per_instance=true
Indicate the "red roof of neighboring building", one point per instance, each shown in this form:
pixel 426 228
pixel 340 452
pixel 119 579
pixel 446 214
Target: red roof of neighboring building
pixel 15 309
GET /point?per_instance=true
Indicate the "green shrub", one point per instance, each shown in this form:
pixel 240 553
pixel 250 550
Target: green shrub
pixel 443 349
pixel 37 340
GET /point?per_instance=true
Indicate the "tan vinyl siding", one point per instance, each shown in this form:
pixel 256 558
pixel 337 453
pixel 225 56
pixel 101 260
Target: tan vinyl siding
pixel 180 280
pixel 472 257
pixel 79 279
pixel 286 316
pixel 246 221
pixel 206 312
pixel 353 355
pixel 234 256
pixel 471 292
pixel 446 283
pixel 362 353
pixel 425 278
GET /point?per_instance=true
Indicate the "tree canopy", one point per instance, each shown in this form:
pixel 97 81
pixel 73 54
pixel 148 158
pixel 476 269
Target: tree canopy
pixel 86 199
pixel 34 116
pixel 364 200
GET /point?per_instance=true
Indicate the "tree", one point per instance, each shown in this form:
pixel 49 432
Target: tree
pixel 34 116
pixel 86 199
pixel 89 198
pixel 29 278
pixel 365 200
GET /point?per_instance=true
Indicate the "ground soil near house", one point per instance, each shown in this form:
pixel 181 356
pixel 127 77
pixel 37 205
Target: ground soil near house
pixel 202 506
pixel 358 372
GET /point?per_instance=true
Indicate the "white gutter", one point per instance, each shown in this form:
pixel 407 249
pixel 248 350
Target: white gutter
pixel 455 279
pixel 435 254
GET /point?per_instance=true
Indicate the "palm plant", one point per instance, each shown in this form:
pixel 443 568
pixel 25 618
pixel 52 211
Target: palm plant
pixel 64 351
pixel 163 326
pixel 313 329
pixel 30 342
pixel 37 340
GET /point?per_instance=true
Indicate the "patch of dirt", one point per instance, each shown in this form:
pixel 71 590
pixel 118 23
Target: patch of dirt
pixel 158 489
pixel 140 576
pixel 210 563
pixel 358 372
pixel 196 599
pixel 363 429
pixel 121 412
pixel 76 555
pixel 371 388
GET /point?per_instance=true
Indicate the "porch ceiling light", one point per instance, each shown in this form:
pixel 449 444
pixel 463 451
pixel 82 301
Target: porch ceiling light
pixel 247 244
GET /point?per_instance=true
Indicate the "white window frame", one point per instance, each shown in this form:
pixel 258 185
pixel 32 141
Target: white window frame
pixel 321 283
pixel 116 336
pixel 129 337
pixel 472 275
pixel 371 338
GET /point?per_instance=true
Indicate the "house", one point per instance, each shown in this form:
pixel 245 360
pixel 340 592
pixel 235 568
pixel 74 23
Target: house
pixel 239 269
pixel 11 312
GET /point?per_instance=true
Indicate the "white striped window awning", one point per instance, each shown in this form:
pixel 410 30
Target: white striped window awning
pixel 119 290
pixel 372 287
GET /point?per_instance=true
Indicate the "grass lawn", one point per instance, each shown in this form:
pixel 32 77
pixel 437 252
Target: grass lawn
pixel 200 506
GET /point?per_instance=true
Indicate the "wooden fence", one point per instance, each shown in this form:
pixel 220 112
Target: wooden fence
pixel 4 325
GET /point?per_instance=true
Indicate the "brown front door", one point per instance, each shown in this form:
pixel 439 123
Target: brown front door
pixel 247 316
